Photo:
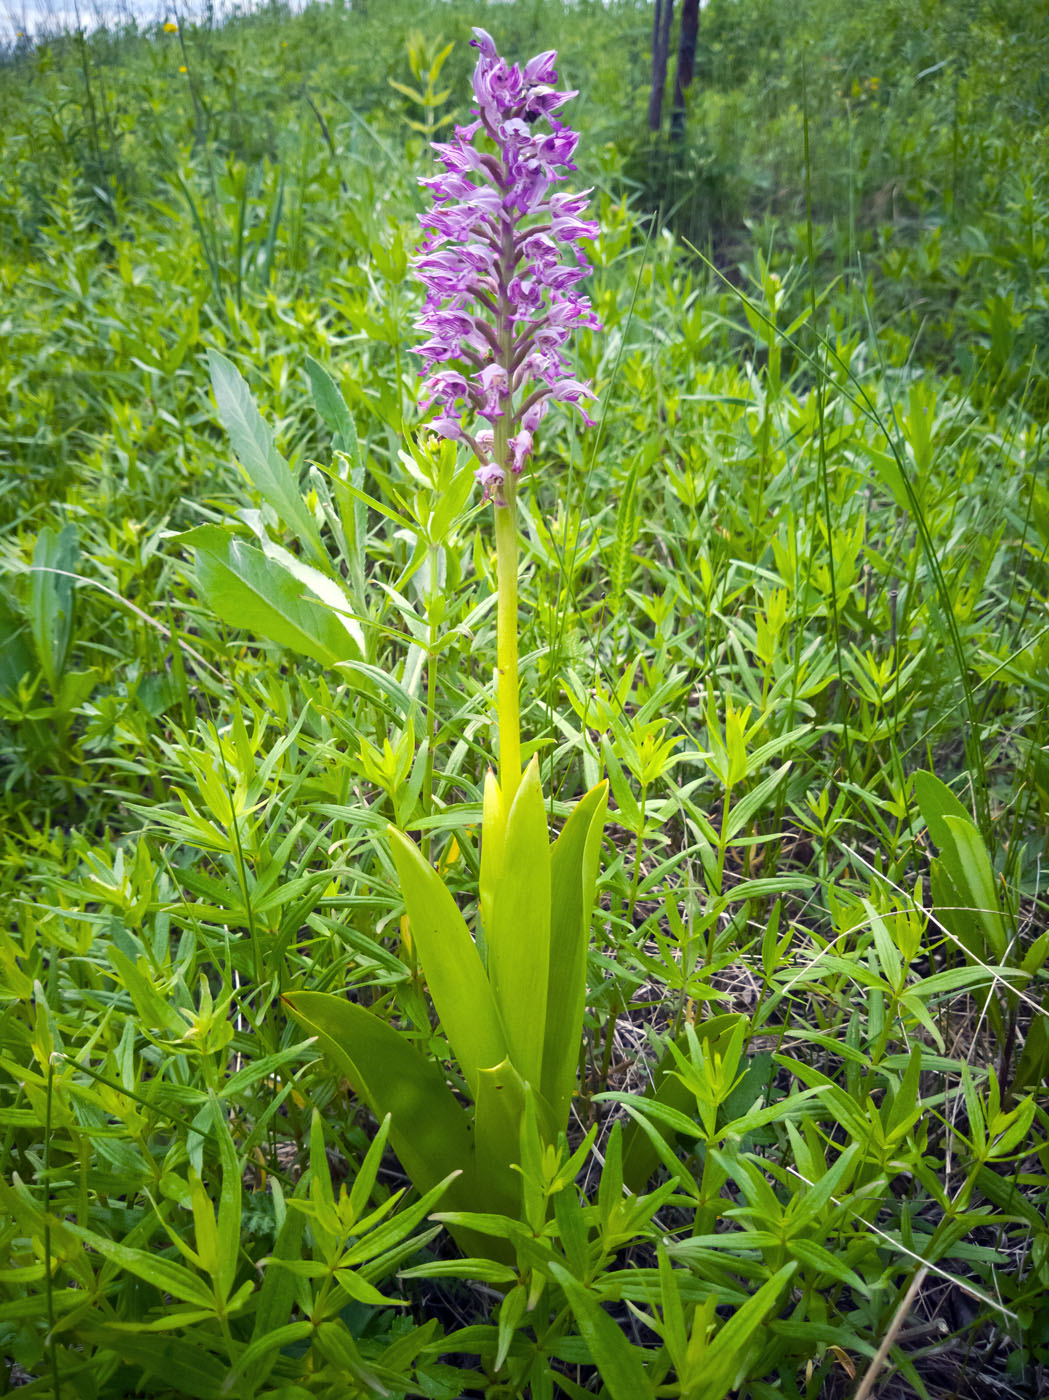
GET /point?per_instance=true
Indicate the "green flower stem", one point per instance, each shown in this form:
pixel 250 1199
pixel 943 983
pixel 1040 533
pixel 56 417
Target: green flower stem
pixel 507 696
pixel 507 699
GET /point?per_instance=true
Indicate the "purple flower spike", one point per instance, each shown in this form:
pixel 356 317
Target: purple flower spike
pixel 500 262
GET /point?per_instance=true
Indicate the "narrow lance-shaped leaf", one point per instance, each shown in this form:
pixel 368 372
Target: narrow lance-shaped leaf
pixel 615 1358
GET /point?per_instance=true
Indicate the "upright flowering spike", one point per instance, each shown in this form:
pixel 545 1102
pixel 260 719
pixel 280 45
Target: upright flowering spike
pixel 500 262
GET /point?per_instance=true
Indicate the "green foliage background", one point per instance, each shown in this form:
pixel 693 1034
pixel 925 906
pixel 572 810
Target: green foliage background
pixel 803 559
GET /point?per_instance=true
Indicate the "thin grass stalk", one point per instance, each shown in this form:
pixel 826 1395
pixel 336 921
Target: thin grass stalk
pixel 821 460
pixel 52 1351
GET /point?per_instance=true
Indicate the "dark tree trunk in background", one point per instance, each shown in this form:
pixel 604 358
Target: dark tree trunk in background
pixel 686 61
pixel 664 13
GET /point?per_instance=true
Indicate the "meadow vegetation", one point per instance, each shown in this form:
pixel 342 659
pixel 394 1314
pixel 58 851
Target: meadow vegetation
pixel 790 598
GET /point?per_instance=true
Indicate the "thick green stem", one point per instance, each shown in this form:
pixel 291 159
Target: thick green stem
pixel 507 686
pixel 431 696
pixel 507 701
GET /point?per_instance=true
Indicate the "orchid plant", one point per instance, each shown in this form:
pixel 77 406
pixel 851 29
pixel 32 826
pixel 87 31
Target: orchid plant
pixel 501 262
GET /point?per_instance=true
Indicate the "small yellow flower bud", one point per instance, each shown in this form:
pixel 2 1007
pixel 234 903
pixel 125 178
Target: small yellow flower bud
pixel 170 27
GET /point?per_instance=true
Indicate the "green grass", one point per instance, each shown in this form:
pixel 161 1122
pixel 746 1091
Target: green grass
pixel 804 559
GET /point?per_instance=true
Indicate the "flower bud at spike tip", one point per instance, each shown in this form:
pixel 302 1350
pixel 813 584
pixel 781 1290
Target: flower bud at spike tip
pixel 501 264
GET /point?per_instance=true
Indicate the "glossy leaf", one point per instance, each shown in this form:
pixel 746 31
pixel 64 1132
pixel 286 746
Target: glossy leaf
pixel 574 861
pixel 518 937
pixel 246 589
pixel 456 978
pixel 428 1131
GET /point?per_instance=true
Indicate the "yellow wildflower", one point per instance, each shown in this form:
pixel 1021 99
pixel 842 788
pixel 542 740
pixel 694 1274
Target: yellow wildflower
pixel 182 68
pixel 170 27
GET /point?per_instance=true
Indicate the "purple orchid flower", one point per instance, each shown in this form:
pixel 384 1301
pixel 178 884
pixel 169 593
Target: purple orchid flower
pixel 501 262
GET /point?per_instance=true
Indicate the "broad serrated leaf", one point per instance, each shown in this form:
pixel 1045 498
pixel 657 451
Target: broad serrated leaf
pixel 252 440
pixel 246 589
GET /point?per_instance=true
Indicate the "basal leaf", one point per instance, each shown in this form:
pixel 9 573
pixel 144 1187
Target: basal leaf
pixel 456 978
pixel 428 1131
pixel 936 801
pixel 51 597
pixel 497 1128
pixel 965 858
pixel 518 937
pixel 574 861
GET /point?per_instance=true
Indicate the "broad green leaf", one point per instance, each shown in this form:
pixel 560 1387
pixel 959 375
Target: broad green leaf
pixel 493 833
pixel 252 440
pixel 618 1362
pixel 497 1130
pixel 332 408
pixel 936 801
pixel 518 938
pixel 457 981
pixel 323 588
pixel 15 656
pixel 245 589
pixel 574 860
pixel 428 1131
pixel 964 857
pixel 51 595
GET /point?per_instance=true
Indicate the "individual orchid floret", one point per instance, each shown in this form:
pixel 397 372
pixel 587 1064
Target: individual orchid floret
pixel 501 261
